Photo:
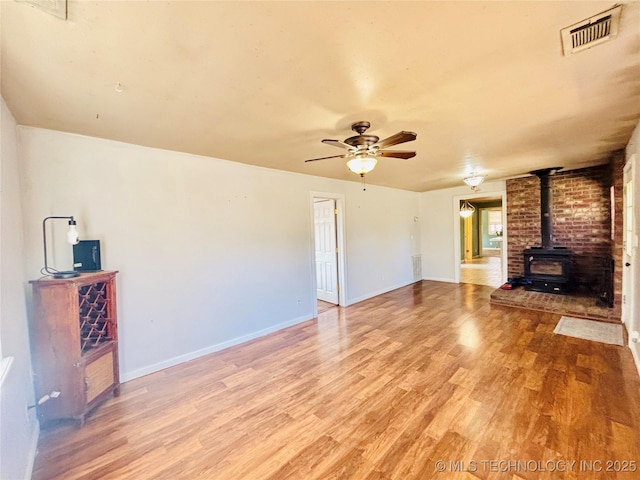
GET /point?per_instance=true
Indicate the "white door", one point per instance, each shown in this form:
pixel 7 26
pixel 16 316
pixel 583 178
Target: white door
pixel 326 256
pixel 630 244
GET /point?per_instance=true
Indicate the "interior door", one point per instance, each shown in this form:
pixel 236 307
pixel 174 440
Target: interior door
pixel 468 239
pixel 326 254
pixel 630 244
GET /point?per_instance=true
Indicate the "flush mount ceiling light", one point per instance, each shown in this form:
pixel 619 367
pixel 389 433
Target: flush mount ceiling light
pixel 466 210
pixel 474 180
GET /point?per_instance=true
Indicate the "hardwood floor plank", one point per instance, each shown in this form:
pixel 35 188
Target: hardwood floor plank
pixel 308 460
pixel 380 390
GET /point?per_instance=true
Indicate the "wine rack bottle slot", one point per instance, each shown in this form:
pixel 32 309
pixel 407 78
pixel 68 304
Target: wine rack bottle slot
pixel 94 317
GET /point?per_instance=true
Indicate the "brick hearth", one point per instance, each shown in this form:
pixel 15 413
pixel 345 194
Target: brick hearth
pixel 575 305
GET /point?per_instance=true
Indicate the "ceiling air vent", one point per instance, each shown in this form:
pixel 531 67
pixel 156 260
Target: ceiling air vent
pixel 591 32
pixel 54 7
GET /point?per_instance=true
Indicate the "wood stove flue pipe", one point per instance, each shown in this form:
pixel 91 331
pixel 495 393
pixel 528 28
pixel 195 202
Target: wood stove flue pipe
pixel 546 217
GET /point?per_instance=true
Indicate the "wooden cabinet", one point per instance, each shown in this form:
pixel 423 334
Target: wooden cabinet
pixel 74 344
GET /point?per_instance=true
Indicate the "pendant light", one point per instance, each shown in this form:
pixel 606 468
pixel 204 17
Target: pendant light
pixel 466 210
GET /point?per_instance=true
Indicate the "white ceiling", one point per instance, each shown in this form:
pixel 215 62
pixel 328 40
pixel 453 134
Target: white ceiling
pixel 483 84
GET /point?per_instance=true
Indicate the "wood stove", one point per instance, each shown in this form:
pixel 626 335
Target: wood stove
pixel 547 268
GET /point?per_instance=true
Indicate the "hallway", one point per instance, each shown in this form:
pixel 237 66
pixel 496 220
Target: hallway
pixel 482 271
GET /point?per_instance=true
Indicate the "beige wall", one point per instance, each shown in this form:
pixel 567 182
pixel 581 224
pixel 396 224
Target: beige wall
pixel 18 426
pixel 210 252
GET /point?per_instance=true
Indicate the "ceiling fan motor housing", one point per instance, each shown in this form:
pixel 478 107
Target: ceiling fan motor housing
pixel 360 127
pixel 362 140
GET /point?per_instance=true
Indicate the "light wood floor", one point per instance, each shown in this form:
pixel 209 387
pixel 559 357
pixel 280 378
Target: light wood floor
pixel 380 390
pixel 324 306
pixel 485 270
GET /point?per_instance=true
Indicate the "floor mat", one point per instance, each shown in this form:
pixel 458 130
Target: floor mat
pixel 590 330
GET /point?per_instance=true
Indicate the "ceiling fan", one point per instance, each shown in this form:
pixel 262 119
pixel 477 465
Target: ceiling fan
pixel 363 150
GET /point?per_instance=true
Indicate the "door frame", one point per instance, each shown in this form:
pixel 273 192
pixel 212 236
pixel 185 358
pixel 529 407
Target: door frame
pixel 340 245
pixel 628 273
pixel 480 231
pixel 325 217
pixel 456 230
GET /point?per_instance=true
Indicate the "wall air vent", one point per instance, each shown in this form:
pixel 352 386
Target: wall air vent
pixel 591 32
pixel 57 8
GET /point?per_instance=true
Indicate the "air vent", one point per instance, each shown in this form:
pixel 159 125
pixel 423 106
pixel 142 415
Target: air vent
pixel 54 7
pixel 591 32
pixel 417 267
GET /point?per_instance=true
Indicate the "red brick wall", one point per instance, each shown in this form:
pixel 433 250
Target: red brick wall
pixel 581 212
pixel 523 221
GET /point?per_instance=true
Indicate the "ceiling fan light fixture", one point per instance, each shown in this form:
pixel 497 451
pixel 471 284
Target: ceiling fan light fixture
pixel 362 165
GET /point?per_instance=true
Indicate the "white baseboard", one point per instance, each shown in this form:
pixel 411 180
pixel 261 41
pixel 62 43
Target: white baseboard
pixel 439 279
pixel 140 372
pixel 362 298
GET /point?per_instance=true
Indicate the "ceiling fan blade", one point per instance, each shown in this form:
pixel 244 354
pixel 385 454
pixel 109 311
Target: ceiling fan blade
pixel 397 154
pixel 324 158
pixel 336 143
pixel 399 137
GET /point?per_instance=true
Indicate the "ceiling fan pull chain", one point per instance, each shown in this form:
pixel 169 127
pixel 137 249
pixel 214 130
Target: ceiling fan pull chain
pixel 364 183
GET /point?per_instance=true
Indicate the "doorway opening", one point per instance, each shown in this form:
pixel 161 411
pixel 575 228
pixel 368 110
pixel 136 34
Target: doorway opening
pixel 328 241
pixel 480 241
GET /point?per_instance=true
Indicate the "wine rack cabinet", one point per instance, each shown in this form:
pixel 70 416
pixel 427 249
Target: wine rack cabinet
pixel 74 344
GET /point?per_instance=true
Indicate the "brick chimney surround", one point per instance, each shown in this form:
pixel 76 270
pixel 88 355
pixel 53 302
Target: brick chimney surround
pixel 582 222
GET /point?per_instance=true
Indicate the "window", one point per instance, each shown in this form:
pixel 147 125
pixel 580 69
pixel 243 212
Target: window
pixel 495 222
